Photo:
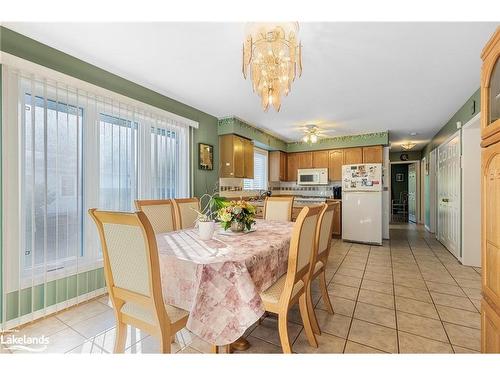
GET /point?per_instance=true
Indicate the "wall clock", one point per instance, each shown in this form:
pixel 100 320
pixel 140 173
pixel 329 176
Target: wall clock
pixel 404 157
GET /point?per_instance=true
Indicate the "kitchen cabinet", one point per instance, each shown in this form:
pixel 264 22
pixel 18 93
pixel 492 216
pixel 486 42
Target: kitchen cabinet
pixel 337 216
pixel 277 166
pixel 353 155
pixel 248 159
pixel 320 159
pixel 292 166
pixel 305 160
pixel 236 156
pixel 490 197
pixel 490 88
pixel 373 154
pixel 335 160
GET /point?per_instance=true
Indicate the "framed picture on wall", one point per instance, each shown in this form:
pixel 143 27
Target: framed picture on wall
pixel 205 157
pixel 400 177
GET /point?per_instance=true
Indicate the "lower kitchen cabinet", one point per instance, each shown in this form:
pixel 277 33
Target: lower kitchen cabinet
pixel 490 328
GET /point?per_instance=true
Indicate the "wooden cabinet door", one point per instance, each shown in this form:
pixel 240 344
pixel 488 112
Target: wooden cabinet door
pixel 277 166
pixel 353 155
pixel 305 160
pixel 372 154
pixel 335 160
pixel 490 88
pixel 238 156
pixel 490 241
pixel 248 158
pixel 283 168
pixel 292 166
pixel 320 159
pixel 226 164
pixel 337 219
pixel 274 166
pixel 490 329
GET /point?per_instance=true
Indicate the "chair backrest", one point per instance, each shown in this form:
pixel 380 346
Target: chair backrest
pixel 278 208
pixel 131 266
pixel 160 213
pixel 185 214
pixel 302 246
pixel 324 232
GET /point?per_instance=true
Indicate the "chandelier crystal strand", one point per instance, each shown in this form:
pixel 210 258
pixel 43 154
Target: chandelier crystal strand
pixel 272 55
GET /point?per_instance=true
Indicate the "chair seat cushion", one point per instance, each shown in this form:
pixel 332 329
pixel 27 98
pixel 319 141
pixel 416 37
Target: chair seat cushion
pixel 136 311
pixel 273 293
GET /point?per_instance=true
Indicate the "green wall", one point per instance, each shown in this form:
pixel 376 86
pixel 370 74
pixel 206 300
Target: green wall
pixel 466 112
pixel 29 49
pixel 412 155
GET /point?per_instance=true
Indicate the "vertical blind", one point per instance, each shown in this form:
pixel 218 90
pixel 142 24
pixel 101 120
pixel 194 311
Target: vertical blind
pixel 70 150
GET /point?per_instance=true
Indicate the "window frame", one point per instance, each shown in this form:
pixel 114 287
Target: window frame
pixel 264 153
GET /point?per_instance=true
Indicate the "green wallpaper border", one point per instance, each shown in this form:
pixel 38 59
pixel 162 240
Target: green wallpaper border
pixel 235 125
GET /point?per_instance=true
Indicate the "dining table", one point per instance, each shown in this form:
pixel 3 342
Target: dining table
pixel 219 281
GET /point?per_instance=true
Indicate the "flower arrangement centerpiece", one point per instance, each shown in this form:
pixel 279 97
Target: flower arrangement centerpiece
pixel 237 216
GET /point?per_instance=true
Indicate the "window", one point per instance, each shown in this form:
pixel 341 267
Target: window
pixel 164 168
pixel 259 181
pixel 51 183
pixel 118 164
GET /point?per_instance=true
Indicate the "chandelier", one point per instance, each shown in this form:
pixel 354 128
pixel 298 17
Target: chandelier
pixel 272 54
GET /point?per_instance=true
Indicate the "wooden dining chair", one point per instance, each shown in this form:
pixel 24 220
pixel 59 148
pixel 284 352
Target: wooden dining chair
pixel 185 214
pixel 160 213
pixel 278 208
pixel 323 239
pixel 132 272
pixel 291 287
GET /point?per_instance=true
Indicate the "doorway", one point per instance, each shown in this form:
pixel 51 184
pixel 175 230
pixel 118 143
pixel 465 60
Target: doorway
pixel 399 193
pixel 449 195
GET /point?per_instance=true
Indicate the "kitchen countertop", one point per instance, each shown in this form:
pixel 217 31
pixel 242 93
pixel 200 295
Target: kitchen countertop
pixel 260 202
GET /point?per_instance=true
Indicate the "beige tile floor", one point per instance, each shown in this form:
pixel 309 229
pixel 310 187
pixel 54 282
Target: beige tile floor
pixel 408 296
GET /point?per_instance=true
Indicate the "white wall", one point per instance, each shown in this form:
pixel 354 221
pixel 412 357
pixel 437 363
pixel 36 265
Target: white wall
pixel 471 193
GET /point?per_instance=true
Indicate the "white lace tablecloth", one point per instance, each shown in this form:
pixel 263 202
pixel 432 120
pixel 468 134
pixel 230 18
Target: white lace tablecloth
pixel 219 281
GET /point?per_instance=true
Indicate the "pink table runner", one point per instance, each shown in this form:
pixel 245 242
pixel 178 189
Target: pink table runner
pixel 219 281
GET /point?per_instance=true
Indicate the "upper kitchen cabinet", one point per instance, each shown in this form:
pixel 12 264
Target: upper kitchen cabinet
pixel 373 154
pixel 236 156
pixel 490 90
pixel 320 159
pixel 277 166
pixel 292 162
pixel 335 160
pixel 248 159
pixel 305 160
pixel 353 155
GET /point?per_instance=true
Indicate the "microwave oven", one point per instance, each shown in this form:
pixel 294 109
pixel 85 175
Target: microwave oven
pixel 315 176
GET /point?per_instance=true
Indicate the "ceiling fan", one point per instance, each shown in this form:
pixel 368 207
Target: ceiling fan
pixel 312 133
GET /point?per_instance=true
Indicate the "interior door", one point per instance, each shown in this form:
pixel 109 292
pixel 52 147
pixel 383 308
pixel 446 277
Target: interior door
pixel 449 195
pixel 412 193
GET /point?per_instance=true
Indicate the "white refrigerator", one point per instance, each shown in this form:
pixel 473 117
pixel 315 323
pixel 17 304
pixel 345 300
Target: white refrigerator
pixel 362 203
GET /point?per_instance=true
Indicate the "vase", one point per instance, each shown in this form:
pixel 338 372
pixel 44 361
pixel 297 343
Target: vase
pixel 206 230
pixel 237 226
